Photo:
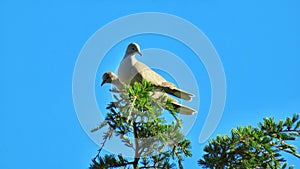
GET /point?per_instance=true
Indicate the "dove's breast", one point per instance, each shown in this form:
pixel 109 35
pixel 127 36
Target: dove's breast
pixel 125 69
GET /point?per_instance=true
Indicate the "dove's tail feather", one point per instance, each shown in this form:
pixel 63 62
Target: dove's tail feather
pixel 183 109
pixel 178 93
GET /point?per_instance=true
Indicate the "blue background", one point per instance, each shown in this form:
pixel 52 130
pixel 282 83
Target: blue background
pixel 258 43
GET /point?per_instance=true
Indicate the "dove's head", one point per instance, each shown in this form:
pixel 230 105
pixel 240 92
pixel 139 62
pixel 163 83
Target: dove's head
pixel 108 77
pixel 132 49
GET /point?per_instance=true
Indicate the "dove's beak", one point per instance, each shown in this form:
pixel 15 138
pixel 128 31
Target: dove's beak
pixel 139 52
pixel 103 82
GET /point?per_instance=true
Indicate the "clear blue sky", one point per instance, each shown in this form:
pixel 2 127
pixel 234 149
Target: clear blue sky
pixel 258 43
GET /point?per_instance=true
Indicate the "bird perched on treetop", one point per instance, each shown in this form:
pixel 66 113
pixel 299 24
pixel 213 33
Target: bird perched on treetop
pixel 110 77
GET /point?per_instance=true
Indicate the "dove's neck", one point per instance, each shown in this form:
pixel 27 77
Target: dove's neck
pixel 117 83
pixel 130 58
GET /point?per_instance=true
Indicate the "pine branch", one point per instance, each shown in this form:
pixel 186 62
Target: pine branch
pixel 135 112
pixel 249 147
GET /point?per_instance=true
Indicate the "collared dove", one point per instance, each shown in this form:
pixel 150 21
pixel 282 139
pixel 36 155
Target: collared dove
pixel 131 70
pixel 110 77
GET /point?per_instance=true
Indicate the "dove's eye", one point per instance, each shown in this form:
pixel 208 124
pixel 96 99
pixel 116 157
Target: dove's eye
pixel 133 49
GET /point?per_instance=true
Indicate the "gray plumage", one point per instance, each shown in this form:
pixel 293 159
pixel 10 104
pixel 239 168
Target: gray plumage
pixel 131 70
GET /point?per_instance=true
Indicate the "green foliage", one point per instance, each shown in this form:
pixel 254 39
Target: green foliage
pixel 249 147
pixel 138 120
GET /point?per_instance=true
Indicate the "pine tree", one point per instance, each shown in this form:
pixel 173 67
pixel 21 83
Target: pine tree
pixel 250 147
pixel 138 120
